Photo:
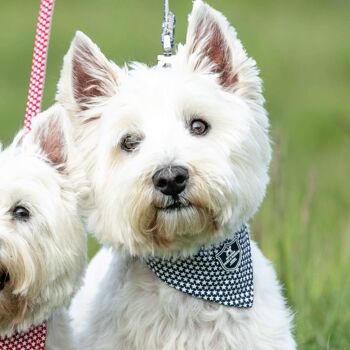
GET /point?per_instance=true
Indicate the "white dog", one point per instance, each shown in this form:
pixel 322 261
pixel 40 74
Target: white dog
pixel 178 158
pixel 42 241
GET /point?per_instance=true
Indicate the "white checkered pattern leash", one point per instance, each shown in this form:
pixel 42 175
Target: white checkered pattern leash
pixel 37 78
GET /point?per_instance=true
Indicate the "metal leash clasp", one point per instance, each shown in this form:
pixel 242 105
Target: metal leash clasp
pixel 167 37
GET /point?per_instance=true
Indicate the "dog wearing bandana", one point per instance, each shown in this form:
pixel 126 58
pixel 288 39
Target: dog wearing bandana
pixel 178 158
pixel 42 240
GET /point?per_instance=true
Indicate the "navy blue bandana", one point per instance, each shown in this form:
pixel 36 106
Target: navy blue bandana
pixel 221 274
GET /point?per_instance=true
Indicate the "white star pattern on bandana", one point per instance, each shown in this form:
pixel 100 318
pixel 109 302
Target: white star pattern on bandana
pixel 33 339
pixel 221 274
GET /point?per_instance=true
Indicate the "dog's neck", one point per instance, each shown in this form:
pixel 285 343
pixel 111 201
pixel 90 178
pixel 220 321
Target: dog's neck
pixel 33 338
pixel 36 314
pixel 221 273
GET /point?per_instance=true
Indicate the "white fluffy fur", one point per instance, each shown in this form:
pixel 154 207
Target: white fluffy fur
pixel 133 309
pixel 211 78
pixel 46 254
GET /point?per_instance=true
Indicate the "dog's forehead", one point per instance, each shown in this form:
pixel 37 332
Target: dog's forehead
pixel 157 94
pixel 164 84
pixel 17 167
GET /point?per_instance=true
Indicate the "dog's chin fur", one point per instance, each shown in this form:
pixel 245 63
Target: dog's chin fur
pixel 42 258
pixel 12 306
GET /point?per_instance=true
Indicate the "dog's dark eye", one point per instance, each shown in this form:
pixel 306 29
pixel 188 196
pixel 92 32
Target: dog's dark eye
pixel 199 127
pixel 21 213
pixel 130 142
pixel 4 277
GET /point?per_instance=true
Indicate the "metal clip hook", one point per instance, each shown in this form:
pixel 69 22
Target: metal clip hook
pixel 168 36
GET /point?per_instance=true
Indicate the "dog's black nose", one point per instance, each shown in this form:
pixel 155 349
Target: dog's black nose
pixel 171 180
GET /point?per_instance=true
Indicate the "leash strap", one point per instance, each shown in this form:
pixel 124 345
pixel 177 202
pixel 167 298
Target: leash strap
pixel 37 78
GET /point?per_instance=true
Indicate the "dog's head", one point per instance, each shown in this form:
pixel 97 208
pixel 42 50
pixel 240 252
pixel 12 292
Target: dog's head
pixel 42 244
pixel 177 156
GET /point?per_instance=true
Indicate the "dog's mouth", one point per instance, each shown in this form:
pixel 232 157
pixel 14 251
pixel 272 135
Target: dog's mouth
pixel 4 278
pixel 176 204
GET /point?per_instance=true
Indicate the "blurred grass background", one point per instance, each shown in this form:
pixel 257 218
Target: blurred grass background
pixel 303 50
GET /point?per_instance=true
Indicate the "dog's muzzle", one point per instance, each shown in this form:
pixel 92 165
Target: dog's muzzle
pixel 175 203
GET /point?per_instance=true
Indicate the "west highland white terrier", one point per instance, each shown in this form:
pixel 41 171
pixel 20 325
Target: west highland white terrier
pixel 178 158
pixel 42 241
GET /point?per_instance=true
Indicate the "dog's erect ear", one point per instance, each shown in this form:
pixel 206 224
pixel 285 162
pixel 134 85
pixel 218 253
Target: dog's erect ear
pixel 49 135
pixel 87 77
pixel 212 47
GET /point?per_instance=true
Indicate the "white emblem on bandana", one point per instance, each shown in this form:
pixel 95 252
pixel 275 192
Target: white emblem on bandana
pixel 221 274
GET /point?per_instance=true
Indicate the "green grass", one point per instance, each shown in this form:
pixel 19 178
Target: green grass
pixel 303 50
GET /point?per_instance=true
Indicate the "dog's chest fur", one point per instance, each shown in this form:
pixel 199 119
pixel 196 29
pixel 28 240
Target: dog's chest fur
pixel 164 318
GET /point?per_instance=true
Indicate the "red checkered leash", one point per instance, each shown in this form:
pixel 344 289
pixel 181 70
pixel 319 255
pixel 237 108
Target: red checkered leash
pixel 37 78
